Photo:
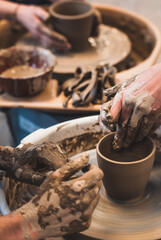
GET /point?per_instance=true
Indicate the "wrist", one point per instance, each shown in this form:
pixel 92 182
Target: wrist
pixel 15 12
pixel 11 227
pixel 39 222
pixel 8 10
pixel 18 12
pixel 27 220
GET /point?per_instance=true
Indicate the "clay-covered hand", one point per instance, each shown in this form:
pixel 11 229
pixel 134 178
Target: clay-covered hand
pixel 33 18
pixel 65 202
pixel 135 108
pixel 30 163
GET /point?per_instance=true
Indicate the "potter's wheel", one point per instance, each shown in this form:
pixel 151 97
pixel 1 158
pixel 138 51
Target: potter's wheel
pixel 139 220
pixel 111 221
pixel 111 46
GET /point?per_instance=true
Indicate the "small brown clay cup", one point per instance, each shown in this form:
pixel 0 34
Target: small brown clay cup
pixel 126 172
pixel 76 20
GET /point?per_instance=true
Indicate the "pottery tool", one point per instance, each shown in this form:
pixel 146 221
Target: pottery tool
pixel 88 84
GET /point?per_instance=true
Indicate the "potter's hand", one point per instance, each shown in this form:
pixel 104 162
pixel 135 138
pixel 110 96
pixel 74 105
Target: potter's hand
pixel 135 108
pixel 30 163
pixel 64 203
pixel 32 18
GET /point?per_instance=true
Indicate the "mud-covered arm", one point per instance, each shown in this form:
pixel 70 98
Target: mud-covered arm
pixel 30 163
pixel 135 108
pixel 64 204
pixel 10 227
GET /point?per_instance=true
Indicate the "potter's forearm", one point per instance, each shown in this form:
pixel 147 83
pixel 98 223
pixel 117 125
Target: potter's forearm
pixel 10 227
pixel 24 223
pixel 14 227
pixel 62 205
pixel 8 9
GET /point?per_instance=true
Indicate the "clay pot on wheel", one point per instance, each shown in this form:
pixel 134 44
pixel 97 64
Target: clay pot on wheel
pixel 76 20
pixel 126 172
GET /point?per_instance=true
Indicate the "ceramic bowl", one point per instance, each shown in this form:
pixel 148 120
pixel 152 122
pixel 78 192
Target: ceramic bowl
pixel 35 57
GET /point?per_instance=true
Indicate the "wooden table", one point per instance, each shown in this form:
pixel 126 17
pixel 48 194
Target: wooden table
pixel 49 100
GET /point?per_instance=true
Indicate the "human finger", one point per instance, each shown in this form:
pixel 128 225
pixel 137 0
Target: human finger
pixel 105 120
pixel 133 127
pixel 41 13
pixel 111 92
pixel 25 175
pixel 84 221
pixel 65 172
pixel 147 124
pixel 109 113
pixel 122 124
pixel 86 196
pixel 89 179
pixel 104 110
pixel 47 42
pixel 116 107
pixel 105 127
pixel 51 43
pixel 88 212
pixel 43 29
pixel 70 168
